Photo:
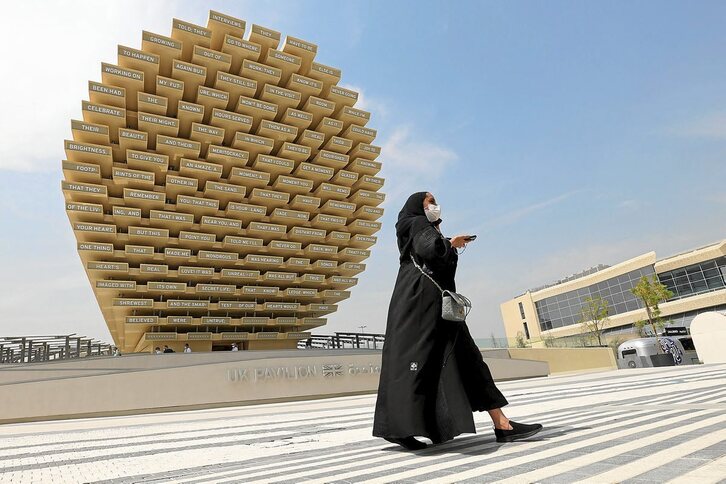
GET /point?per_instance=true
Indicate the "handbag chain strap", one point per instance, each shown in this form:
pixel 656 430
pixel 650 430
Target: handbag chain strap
pixel 456 336
pixel 425 274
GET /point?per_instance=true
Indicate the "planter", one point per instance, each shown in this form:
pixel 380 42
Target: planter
pixel 662 360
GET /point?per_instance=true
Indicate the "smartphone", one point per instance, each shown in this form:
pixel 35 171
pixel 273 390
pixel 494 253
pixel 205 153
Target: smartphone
pixel 469 238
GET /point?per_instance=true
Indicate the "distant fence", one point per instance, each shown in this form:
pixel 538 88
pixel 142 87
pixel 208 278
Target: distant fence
pixel 376 341
pixel 566 342
pixel 30 349
pixel 371 341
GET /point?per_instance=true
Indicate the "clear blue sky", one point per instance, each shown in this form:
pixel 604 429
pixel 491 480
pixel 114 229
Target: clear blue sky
pixel 565 134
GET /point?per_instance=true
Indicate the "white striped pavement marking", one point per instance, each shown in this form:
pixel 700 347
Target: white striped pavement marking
pixel 661 397
pixel 710 398
pixel 78 425
pixel 323 463
pixel 708 395
pixel 663 457
pixel 190 432
pixel 320 462
pixel 633 382
pixel 376 457
pixel 598 455
pixel 629 400
pixel 174 456
pixel 626 389
pixel 259 431
pixel 711 473
pixel 621 381
pixel 455 458
pixel 292 464
pixel 197 435
pixel 576 381
pixel 614 393
pixel 534 455
pixel 284 410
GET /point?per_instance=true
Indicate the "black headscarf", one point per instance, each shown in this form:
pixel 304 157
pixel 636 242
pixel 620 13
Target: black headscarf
pixel 411 220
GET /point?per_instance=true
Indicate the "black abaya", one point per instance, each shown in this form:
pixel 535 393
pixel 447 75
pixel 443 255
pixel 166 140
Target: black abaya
pixel 432 374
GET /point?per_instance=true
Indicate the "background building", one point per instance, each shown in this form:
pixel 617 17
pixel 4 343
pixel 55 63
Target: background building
pixel 697 279
pixel 221 187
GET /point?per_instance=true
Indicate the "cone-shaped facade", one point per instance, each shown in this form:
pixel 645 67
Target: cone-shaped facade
pixel 221 187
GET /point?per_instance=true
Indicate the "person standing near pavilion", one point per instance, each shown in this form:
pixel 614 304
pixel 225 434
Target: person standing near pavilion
pixel 432 373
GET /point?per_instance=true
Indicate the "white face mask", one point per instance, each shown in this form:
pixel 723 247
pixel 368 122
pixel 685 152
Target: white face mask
pixel 433 212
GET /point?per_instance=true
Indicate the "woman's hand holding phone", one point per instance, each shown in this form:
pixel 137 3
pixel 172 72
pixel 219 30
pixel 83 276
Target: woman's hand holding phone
pixel 461 240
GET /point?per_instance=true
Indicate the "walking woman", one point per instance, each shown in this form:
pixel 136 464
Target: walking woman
pixel 432 376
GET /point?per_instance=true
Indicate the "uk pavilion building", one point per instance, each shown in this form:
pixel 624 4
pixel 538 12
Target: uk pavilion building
pixel 222 187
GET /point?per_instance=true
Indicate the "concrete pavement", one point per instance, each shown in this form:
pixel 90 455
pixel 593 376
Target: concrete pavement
pixel 640 425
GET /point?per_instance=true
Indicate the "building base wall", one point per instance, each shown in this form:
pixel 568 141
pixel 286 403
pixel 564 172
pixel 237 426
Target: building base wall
pixel 144 383
pixel 569 359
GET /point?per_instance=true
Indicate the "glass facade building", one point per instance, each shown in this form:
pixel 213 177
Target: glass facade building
pixel 565 309
pixel 685 319
pixel 696 279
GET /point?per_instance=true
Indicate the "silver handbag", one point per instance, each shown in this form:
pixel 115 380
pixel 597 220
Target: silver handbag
pixel 454 306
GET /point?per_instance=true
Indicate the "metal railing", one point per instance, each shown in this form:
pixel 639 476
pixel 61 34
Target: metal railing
pixel 376 341
pixel 342 340
pixel 30 349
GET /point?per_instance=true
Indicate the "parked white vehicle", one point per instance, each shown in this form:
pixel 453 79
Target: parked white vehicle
pixel 639 352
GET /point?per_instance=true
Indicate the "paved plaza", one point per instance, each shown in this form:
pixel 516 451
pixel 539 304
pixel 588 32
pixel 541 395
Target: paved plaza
pixel 640 425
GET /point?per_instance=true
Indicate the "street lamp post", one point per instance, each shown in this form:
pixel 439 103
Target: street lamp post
pixel 362 327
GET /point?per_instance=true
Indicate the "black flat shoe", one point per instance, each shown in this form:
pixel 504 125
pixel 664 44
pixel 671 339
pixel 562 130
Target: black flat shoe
pixel 519 431
pixel 409 443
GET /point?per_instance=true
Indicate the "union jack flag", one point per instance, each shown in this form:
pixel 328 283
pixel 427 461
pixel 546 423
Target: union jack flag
pixel 332 370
